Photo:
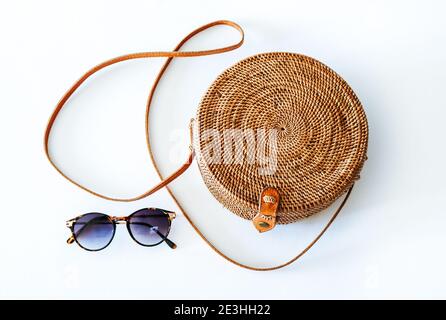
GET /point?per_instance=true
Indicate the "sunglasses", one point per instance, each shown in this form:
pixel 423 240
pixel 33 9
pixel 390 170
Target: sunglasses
pixel 95 231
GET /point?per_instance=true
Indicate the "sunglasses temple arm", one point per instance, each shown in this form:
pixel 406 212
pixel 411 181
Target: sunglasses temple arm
pixel 169 242
pixel 70 240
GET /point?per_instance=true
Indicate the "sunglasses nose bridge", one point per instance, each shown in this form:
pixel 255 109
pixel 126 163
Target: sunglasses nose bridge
pixel 119 219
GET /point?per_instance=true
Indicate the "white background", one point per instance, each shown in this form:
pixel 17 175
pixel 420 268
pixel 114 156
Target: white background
pixel 389 242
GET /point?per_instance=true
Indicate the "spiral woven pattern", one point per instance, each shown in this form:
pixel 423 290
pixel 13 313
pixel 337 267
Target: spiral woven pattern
pixel 317 122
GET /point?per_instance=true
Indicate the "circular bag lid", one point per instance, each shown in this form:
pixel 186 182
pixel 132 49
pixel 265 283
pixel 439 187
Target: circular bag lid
pixel 280 120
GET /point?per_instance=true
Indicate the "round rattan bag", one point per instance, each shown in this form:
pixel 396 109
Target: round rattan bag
pixel 279 137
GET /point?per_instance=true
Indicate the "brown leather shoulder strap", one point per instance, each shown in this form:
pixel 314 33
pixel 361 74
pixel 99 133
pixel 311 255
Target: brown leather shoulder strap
pixel 170 55
pixel 176 53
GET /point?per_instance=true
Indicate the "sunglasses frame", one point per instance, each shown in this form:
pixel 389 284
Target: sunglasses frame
pixel 122 220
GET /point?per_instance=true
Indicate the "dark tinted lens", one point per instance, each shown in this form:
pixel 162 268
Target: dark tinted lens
pixel 148 226
pixel 94 231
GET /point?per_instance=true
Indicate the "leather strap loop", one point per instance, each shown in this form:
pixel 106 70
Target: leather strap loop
pixel 165 181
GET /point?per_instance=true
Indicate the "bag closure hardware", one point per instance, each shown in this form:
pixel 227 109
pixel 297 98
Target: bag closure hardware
pixel 265 220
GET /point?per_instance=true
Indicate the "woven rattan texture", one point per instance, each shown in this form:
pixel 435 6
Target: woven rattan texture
pixel 321 131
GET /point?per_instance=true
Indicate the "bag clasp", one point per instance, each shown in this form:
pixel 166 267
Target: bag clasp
pixel 265 220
